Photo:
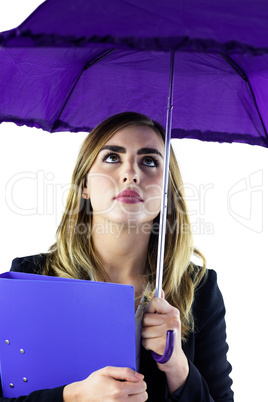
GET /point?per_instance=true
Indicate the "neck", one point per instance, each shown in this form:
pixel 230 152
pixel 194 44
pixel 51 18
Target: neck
pixel 122 249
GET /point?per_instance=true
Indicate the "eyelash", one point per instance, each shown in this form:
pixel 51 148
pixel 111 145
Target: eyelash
pixel 106 156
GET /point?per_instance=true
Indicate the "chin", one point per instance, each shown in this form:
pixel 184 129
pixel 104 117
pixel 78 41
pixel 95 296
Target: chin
pixel 131 220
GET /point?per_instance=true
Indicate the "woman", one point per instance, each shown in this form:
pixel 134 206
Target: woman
pixel 109 232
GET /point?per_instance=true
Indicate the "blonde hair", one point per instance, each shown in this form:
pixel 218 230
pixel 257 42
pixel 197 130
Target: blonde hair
pixel 73 255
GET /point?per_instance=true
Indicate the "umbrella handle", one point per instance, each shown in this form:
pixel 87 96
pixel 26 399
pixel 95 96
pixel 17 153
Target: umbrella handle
pixel 170 340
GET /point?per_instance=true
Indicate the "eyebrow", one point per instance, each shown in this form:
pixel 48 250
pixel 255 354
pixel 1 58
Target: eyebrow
pixel 122 150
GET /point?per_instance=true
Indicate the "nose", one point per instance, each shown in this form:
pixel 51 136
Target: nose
pixel 130 175
pixel 130 178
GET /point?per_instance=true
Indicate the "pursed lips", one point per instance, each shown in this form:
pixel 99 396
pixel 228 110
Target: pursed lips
pixel 129 197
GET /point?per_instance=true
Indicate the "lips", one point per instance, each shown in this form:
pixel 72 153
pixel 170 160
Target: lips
pixel 129 197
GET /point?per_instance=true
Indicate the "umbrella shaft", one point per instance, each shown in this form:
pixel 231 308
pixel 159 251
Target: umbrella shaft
pixel 163 212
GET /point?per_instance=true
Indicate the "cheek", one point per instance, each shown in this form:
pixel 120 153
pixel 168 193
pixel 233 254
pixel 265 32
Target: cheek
pixel 153 198
pixel 100 184
pixel 102 189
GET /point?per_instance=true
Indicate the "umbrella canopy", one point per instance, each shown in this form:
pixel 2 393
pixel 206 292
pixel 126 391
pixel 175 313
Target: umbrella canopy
pixel 71 65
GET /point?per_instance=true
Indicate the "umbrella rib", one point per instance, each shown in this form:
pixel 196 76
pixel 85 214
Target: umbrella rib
pixel 91 63
pixel 243 75
pixel 86 66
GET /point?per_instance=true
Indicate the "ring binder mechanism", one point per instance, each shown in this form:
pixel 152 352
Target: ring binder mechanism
pixel 55 331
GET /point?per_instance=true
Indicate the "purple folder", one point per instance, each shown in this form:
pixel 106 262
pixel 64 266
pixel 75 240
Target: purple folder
pixel 55 330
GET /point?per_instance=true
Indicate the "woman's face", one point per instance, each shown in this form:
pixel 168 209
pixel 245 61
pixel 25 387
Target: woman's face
pixel 124 183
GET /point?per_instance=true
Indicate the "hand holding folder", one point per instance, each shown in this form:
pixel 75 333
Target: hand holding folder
pixel 55 331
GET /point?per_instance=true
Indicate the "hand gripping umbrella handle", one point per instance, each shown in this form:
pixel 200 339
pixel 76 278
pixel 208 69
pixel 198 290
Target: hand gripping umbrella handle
pixel 170 340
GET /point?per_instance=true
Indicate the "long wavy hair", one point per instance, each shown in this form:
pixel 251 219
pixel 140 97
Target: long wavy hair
pixel 73 254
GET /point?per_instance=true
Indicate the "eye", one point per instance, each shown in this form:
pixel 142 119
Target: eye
pixel 150 161
pixel 111 157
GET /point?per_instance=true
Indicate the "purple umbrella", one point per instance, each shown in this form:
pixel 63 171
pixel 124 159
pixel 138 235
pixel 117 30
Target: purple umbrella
pixel 71 64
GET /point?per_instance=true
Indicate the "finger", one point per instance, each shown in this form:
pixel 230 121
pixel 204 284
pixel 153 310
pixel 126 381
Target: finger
pixel 170 319
pixel 122 373
pixel 139 398
pixel 121 390
pixel 158 324
pixel 152 319
pixel 157 345
pixel 154 332
pixel 158 305
pixel 134 388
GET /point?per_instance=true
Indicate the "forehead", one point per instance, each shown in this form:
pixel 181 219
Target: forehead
pixel 136 137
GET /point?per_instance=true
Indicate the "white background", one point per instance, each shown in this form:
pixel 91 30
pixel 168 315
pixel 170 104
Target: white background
pixel 226 191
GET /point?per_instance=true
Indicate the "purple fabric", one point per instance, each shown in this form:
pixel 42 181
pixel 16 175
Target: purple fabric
pixel 72 64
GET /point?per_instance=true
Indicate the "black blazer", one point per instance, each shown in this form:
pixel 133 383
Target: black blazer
pixel 205 349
